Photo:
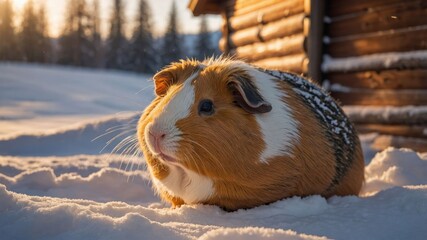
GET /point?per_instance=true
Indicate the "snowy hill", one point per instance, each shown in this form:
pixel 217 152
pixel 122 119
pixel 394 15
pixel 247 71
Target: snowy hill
pixel 54 184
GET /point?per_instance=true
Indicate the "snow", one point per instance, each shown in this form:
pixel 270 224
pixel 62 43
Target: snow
pixel 387 114
pixel 387 169
pixel 47 98
pixel 379 61
pixel 74 192
pixel 336 87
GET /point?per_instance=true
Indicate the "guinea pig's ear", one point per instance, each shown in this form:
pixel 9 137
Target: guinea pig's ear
pixel 162 81
pixel 246 95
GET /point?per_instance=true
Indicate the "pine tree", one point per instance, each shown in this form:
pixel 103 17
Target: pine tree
pixel 116 43
pixel 66 40
pixel 171 47
pixel 204 46
pixel 96 35
pixel 29 34
pixel 142 57
pixel 8 44
pixel 43 40
pixel 75 43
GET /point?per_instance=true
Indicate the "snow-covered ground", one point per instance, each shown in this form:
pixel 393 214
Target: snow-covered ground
pixel 36 99
pixel 54 183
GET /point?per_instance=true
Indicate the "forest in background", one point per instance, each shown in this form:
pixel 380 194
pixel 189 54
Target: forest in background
pixel 80 42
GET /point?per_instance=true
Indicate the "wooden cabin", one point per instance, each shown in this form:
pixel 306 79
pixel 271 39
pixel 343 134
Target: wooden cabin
pixel 370 54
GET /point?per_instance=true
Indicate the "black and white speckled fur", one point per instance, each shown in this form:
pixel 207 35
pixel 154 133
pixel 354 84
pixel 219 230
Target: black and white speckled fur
pixel 337 126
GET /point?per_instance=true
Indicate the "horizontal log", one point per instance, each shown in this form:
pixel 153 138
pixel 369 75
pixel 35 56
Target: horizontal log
pixel 294 63
pixel 377 62
pixel 387 115
pixel 417 131
pixel 402 40
pixel 236 9
pixel 382 97
pixel 239 3
pixel 382 142
pixel 199 7
pixel 400 15
pixel 284 27
pixel 273 48
pixel 243 37
pixel 388 79
pixel 242 3
pixel 266 15
pixel 340 7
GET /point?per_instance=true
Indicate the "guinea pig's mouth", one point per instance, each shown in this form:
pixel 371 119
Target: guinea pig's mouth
pixel 166 158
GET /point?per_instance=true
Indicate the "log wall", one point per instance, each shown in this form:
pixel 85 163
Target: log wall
pixel 269 33
pixel 376 56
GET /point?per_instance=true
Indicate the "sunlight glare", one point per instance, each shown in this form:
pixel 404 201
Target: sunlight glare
pixel 18 4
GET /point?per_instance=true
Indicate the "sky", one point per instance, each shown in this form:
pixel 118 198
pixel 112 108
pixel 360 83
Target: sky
pixel 160 10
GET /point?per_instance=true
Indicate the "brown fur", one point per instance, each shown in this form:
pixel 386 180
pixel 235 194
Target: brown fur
pixel 226 146
pixel 354 179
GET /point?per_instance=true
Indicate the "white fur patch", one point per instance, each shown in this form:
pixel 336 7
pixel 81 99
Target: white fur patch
pixel 186 184
pixel 278 126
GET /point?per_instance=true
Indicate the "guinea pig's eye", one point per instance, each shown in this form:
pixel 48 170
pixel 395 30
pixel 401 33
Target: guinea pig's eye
pixel 206 107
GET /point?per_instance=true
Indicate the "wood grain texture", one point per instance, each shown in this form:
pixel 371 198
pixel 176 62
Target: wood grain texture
pixel 340 7
pixel 387 79
pixel 236 9
pixel 400 15
pixel 402 40
pixel 295 63
pixel 277 29
pixel 274 48
pixel 266 15
pixel 382 97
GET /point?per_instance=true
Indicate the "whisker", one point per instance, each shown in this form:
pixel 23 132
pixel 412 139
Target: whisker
pixel 114 138
pixel 206 150
pixel 191 156
pixel 123 142
pixel 124 148
pixel 121 126
pixel 113 129
pixel 144 88
pixel 135 153
pixel 127 151
pixel 119 135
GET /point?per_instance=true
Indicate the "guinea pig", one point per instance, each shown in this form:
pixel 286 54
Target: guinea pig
pixel 226 133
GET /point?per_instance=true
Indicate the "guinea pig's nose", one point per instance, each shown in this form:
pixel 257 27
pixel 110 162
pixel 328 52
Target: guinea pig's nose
pixel 157 134
pixel 156 139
